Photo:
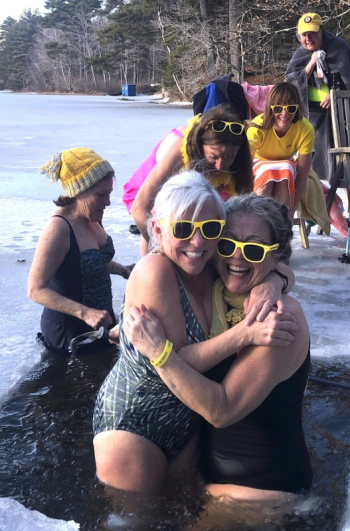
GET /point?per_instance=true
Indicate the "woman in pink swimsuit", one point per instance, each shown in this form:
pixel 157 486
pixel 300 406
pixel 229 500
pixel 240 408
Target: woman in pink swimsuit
pixel 214 143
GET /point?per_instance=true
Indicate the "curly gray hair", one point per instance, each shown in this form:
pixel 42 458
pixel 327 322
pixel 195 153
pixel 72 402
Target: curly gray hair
pixel 273 214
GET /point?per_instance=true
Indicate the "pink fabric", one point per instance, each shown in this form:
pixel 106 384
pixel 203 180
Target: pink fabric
pixel 256 96
pixel 336 213
pixel 139 176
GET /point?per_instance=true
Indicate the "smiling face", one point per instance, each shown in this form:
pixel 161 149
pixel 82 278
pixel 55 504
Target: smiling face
pixel 283 121
pixel 92 202
pixel 221 156
pixel 311 40
pixel 239 275
pixel 189 255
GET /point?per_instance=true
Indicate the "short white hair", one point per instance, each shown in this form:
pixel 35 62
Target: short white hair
pixel 178 194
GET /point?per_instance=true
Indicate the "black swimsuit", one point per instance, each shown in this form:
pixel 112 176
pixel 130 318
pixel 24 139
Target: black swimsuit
pixel 82 277
pixel 265 450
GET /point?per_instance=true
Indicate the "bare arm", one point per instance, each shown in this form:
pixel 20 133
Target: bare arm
pixel 114 268
pixel 146 333
pixel 168 162
pixel 254 374
pixel 51 250
pixel 268 294
pixel 303 168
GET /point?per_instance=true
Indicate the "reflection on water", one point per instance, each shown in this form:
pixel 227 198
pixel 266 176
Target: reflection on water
pixel 47 460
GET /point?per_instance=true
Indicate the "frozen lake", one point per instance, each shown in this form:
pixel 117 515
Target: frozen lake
pixel 33 128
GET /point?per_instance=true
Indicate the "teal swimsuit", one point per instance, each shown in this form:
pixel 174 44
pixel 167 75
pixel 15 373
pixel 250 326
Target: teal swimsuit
pixel 134 398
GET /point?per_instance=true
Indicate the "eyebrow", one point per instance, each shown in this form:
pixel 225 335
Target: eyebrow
pixel 229 234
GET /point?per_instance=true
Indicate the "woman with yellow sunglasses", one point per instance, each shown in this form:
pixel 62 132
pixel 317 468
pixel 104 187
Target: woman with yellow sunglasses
pixel 282 141
pixel 214 143
pixel 142 430
pixel 252 440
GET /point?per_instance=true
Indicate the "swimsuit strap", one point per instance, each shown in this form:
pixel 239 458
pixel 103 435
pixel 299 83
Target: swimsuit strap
pixel 177 133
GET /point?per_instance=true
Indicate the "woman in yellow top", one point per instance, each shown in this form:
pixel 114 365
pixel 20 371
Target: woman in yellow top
pixel 214 143
pixel 281 141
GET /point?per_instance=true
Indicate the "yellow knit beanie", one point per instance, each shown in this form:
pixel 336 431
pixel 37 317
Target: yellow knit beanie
pixel 78 169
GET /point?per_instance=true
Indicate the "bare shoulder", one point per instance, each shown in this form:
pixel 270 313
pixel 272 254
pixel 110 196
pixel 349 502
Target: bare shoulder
pixel 293 306
pixel 153 278
pixel 170 146
pixel 152 266
pixel 57 223
pixel 55 232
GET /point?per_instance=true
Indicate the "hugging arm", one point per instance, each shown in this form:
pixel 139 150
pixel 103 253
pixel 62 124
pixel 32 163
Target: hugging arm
pixel 268 294
pixel 146 333
pixel 256 371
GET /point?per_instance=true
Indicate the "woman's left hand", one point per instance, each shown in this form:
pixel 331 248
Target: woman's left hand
pixel 261 300
pixel 145 332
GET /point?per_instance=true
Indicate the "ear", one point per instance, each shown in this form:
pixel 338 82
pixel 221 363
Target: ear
pixel 275 261
pixel 157 230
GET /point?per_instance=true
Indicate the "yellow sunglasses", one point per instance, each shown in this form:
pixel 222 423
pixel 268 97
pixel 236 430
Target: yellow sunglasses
pixel 252 252
pixel 278 109
pixel 184 230
pixel 219 126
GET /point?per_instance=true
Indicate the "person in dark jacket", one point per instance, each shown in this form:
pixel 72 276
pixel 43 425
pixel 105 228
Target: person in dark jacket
pixel 320 63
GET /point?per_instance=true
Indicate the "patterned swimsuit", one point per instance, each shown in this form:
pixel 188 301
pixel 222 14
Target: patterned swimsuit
pixel 134 398
pixel 82 277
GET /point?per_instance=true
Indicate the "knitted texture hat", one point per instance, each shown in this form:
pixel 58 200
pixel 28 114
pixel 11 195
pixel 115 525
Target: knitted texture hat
pixel 309 22
pixel 78 169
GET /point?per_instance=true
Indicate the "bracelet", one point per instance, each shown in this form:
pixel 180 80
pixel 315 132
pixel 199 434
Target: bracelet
pixel 283 277
pixel 159 362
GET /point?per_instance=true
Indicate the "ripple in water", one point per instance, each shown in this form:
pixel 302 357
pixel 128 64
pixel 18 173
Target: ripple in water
pixel 47 461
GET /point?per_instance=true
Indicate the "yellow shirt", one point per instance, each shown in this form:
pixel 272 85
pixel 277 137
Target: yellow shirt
pixel 266 145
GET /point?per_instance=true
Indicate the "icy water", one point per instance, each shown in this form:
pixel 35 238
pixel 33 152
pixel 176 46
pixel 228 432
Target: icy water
pixel 45 417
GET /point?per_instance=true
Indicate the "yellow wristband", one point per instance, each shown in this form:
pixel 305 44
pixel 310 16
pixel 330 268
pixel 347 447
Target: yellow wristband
pixel 159 362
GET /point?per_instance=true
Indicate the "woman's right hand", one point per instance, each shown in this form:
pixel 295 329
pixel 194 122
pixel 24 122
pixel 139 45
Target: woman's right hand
pixel 145 332
pixel 96 318
pixel 277 330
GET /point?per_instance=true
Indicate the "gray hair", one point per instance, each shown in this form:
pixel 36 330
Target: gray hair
pixel 321 28
pixel 178 194
pixel 273 214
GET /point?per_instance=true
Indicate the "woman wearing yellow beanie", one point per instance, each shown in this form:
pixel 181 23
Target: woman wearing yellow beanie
pixel 70 274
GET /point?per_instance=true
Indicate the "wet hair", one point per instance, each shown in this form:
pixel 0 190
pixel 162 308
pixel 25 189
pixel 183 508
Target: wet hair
pixel 272 213
pixel 202 134
pixel 181 192
pixel 64 200
pixel 282 94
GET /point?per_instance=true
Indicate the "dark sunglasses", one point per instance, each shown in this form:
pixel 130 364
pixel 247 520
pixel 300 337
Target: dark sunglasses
pixel 252 252
pixel 184 230
pixel 219 126
pixel 278 109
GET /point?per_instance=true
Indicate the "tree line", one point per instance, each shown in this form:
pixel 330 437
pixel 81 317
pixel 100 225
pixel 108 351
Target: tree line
pixel 95 46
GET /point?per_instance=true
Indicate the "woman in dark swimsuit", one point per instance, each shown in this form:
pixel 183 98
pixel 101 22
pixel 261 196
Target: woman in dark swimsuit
pixel 253 443
pixel 70 274
pixel 141 429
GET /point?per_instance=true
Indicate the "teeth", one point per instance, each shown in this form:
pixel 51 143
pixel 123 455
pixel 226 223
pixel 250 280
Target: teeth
pixel 193 255
pixel 238 270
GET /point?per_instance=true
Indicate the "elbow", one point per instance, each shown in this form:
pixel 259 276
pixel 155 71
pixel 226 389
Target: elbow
pixel 221 422
pixel 136 211
pixel 133 210
pixel 31 293
pixel 219 418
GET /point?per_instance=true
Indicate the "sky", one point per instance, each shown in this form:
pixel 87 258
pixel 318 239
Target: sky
pixel 14 8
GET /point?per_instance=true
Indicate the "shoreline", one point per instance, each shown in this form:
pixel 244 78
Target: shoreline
pixel 158 98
